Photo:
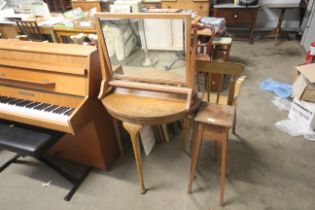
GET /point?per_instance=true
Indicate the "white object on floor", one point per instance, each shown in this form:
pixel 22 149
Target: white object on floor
pixel 281 103
pixel 47 184
pixel 148 139
pixel 296 128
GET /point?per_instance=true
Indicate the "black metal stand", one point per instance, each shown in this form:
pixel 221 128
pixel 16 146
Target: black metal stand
pixel 9 162
pixel 76 182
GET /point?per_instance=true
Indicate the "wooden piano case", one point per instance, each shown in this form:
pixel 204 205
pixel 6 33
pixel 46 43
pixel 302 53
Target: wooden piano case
pixel 63 75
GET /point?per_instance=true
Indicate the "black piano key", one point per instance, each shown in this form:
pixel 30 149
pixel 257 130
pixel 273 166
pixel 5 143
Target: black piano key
pixel 26 103
pixel 46 106
pixel 16 101
pixel 5 101
pixel 51 108
pixel 39 104
pixel 38 107
pixel 33 105
pixel 68 113
pixel 64 110
pixel 57 111
pixel 23 103
pixel 2 98
pixel 42 106
pixel 13 101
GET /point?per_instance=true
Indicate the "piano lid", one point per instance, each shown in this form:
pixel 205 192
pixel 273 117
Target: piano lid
pixel 43 47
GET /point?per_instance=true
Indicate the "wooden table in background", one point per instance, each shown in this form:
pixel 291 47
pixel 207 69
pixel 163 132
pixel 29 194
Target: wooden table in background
pixel 10 31
pixel 238 16
pixel 278 31
pixel 70 31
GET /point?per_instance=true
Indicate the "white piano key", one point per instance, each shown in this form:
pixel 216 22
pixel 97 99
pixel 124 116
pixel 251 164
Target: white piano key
pixel 31 112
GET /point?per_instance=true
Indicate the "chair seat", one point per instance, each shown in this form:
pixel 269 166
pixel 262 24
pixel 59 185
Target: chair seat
pixel 216 114
pixel 222 41
pixel 203 57
pixel 26 140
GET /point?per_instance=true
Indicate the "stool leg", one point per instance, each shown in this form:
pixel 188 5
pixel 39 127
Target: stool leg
pixel 133 131
pixel 234 124
pixel 227 53
pixel 227 152
pixel 223 169
pixel 197 140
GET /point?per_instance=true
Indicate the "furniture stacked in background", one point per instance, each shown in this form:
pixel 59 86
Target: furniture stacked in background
pixel 57 32
pixel 202 7
pixel 87 5
pixel 65 5
pixel 58 5
pixel 237 16
pixel 30 31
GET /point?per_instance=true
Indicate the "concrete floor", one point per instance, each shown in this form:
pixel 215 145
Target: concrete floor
pixel 268 168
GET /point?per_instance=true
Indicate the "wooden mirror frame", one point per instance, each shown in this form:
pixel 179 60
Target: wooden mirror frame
pixel 107 71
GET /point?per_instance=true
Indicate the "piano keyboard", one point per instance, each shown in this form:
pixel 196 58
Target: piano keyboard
pixel 35 109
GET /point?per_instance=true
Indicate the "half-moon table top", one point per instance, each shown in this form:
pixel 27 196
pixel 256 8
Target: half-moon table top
pixel 143 109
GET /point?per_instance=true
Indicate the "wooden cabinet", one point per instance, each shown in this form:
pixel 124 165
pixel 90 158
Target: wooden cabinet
pixel 101 6
pixel 87 5
pixel 202 7
pixel 8 31
pixel 235 17
pixel 238 16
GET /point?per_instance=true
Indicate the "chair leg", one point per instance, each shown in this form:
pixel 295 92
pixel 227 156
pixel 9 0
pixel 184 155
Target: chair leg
pixel 227 53
pixel 223 169
pixel 197 140
pixel 227 152
pixel 9 162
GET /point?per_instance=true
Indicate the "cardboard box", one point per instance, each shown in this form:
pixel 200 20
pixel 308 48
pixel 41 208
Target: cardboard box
pixel 302 111
pixel 304 86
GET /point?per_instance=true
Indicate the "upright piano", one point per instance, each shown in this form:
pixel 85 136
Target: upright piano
pixel 55 86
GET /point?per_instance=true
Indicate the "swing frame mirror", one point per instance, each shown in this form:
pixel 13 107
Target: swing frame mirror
pixel 108 73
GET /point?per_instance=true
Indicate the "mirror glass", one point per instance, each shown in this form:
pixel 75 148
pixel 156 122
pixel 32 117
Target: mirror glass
pixel 146 49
